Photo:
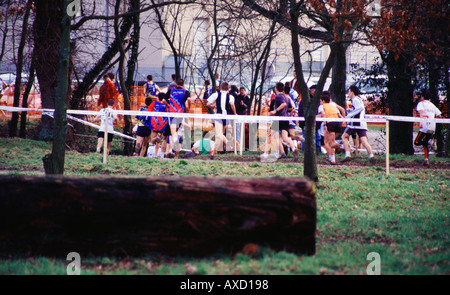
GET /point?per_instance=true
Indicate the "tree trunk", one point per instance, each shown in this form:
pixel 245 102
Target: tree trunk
pixel 128 146
pixel 339 74
pixel 177 215
pixel 19 68
pixel 123 86
pixel 400 101
pixel 23 115
pixel 47 34
pixel 310 161
pixel 54 163
pixel 433 78
pixel 310 104
pixel 447 88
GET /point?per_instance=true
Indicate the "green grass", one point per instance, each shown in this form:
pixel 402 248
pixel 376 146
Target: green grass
pixel 404 217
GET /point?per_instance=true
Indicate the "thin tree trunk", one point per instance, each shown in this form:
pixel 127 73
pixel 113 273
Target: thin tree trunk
pixel 19 68
pixel 128 146
pixel 23 115
pixel 433 78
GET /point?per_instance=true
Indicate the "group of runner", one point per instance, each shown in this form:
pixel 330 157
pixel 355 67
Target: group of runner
pixel 285 101
pixel 162 131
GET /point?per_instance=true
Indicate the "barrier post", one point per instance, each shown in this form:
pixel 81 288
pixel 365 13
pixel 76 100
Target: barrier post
pixel 241 142
pixel 105 138
pixel 387 147
pixel 235 137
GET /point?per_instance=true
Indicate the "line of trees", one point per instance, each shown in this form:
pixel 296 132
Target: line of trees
pixel 410 35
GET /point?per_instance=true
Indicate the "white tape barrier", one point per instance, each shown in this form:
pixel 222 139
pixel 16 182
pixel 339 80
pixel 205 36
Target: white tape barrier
pixel 98 127
pixel 50 114
pixel 238 118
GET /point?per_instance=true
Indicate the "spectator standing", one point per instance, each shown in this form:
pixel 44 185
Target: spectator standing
pixel 206 91
pixel 242 104
pixel 104 94
pixel 112 88
pixel 294 83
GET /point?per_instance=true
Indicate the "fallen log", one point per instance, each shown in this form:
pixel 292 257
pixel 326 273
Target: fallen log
pixel 196 216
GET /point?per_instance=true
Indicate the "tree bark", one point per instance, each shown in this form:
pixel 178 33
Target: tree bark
pixel 128 146
pixel 19 68
pixel 400 102
pixel 23 115
pixel 176 216
pixel 54 163
pixel 47 34
pixel 339 75
pixel 433 77
pixel 310 104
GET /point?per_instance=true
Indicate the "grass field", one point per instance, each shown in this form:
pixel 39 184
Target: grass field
pixel 403 217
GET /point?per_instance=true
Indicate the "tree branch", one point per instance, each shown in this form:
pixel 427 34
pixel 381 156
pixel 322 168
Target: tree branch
pixel 126 14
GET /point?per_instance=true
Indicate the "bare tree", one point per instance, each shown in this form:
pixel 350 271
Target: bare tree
pixel 19 68
pixel 328 25
pixel 54 162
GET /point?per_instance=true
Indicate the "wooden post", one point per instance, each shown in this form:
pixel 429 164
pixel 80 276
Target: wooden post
pixel 235 137
pixel 105 137
pixel 242 142
pixel 174 215
pixel 387 147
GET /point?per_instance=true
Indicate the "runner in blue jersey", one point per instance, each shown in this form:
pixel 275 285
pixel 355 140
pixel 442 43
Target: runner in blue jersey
pixel 178 103
pixel 143 132
pixel 151 89
pixel 158 124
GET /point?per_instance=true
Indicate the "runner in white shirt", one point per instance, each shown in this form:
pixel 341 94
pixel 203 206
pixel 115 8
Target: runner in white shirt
pixel 224 103
pixel 427 110
pixel 359 128
pixel 106 116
